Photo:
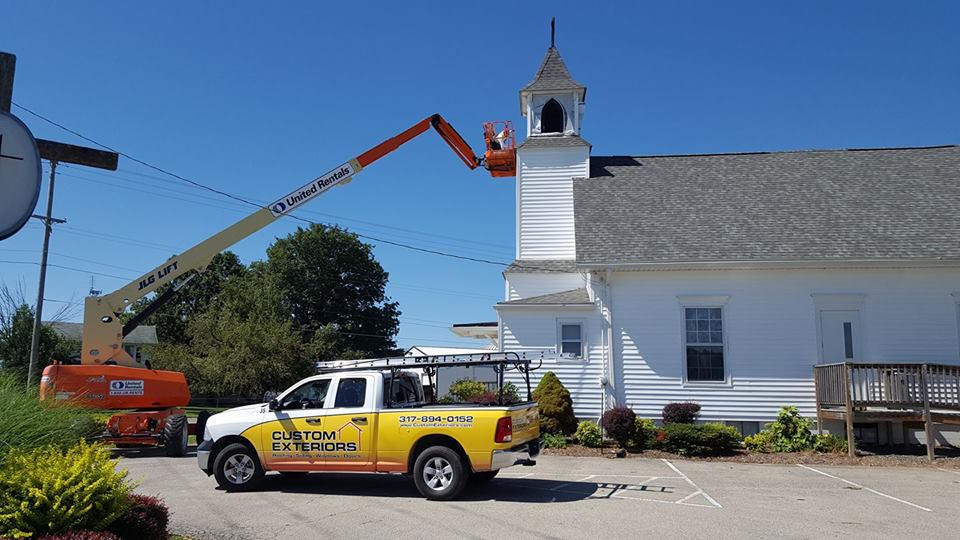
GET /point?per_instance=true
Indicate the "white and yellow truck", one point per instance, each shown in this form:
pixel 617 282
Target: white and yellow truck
pixel 372 416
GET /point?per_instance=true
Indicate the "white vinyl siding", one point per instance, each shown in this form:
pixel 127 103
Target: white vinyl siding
pixel 770 333
pixel 545 227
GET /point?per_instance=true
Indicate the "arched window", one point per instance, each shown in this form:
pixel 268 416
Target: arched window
pixel 552 117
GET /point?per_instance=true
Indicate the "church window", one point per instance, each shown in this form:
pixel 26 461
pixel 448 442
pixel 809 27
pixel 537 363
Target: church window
pixel 552 117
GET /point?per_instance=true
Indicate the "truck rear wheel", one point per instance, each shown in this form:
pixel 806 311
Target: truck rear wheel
pixel 439 473
pixel 175 436
pixel 237 468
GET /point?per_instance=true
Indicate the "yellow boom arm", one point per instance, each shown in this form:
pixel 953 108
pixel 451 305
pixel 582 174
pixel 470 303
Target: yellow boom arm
pixel 103 332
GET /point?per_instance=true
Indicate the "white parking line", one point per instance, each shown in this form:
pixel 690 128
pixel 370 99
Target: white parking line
pixel 698 491
pixel 947 470
pixel 875 492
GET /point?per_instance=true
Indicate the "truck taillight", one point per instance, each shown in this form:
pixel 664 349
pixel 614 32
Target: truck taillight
pixel 504 430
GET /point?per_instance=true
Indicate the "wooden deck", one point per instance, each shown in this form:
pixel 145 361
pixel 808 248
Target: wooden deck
pixel 914 394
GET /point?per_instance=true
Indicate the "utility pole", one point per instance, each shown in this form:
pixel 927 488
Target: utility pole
pixel 48 222
pixel 55 153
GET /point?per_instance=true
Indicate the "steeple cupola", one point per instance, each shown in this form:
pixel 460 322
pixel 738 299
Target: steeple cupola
pixel 553 101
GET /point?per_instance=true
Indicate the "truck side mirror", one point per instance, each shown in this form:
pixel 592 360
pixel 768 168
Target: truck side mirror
pixel 274 405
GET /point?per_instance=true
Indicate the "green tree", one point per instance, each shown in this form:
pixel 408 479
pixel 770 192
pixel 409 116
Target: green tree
pixel 195 298
pixel 329 279
pixel 16 333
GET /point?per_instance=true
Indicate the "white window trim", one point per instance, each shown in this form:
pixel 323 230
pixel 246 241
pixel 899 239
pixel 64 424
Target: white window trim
pixel 704 301
pixel 584 348
pixel 839 302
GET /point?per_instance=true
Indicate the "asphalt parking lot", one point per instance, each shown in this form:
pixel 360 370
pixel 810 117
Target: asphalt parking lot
pixel 566 497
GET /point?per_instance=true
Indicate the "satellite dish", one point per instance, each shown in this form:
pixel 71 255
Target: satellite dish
pixel 19 175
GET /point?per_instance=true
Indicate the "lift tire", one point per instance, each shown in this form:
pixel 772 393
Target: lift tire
pixel 175 436
pixel 237 468
pixel 201 425
pixel 439 473
pixel 483 477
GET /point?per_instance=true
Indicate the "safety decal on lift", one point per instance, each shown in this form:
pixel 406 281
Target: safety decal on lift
pixel 126 388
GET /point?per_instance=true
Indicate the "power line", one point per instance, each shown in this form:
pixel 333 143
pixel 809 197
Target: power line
pixel 34 263
pixel 290 215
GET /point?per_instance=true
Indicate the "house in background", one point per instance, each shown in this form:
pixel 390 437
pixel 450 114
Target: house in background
pixel 723 278
pixel 133 343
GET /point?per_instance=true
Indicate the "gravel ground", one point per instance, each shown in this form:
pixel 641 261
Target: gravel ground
pixel 946 458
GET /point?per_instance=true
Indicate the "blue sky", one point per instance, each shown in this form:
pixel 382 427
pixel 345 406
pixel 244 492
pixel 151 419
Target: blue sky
pixel 258 100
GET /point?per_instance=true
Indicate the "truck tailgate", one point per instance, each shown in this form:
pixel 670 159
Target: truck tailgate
pixel 526 422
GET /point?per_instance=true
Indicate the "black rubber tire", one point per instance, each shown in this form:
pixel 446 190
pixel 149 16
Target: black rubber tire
pixel 201 425
pixel 223 461
pixel 175 436
pixel 458 473
pixel 483 477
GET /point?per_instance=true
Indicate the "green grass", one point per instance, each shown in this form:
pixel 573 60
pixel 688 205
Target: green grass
pixel 26 423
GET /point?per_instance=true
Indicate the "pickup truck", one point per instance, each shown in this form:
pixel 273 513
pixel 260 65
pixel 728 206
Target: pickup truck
pixel 347 421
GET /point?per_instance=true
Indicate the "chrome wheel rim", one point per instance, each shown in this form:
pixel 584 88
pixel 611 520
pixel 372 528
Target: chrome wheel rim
pixel 239 468
pixel 438 473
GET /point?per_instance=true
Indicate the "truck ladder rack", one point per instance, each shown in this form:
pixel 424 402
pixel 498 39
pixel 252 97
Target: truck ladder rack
pixel 442 360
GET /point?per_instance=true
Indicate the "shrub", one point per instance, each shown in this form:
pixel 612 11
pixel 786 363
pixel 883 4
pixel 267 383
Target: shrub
pixel 681 413
pixel 790 432
pixel 465 390
pixel 620 424
pixel 145 519
pixel 759 442
pixel 551 440
pixel 50 490
pixel 27 423
pixel 829 444
pixel 643 433
pixel 81 535
pixel 588 434
pixel 556 406
pixel 699 439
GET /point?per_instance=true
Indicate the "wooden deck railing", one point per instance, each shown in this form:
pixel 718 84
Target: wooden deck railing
pixel 899 386
pixel 854 390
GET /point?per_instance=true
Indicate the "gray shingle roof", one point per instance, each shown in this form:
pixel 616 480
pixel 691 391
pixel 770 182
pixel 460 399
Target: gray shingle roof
pixel 542 266
pixel 571 297
pixel 554 141
pixel 783 206
pixel 553 75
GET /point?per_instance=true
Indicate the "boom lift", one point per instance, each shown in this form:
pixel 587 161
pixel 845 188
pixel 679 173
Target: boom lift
pixel 109 378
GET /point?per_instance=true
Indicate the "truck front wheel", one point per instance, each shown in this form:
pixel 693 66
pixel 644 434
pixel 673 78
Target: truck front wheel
pixel 439 473
pixel 237 468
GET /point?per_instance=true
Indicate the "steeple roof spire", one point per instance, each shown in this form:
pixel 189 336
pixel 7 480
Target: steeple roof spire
pixel 553 75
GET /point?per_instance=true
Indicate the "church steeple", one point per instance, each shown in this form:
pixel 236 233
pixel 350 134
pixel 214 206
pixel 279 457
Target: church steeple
pixel 553 101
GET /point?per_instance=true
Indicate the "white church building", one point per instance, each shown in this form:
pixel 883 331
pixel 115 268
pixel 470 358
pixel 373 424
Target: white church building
pixel 723 278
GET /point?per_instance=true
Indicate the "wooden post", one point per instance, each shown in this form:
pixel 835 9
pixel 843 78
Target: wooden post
pixel 816 396
pixel 848 399
pixel 927 423
pixel 8 66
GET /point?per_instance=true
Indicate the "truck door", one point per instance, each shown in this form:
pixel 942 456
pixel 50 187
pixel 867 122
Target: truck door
pixel 353 418
pixel 292 438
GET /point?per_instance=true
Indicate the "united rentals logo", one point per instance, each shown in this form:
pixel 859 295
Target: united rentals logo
pixel 311 190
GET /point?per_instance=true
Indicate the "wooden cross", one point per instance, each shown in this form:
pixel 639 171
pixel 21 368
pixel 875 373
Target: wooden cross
pixel 54 152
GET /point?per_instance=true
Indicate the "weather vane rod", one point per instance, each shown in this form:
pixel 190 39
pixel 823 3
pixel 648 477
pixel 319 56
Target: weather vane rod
pixel 553 31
